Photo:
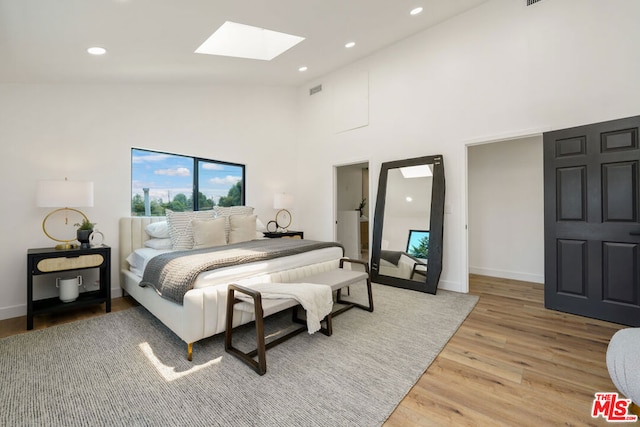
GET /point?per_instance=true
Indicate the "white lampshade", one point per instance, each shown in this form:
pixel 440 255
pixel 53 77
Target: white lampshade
pixel 64 193
pixel 282 201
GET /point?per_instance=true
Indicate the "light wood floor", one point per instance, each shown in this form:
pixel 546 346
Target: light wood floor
pixel 512 363
pixel 18 325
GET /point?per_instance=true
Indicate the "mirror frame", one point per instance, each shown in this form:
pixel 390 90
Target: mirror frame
pixel 435 226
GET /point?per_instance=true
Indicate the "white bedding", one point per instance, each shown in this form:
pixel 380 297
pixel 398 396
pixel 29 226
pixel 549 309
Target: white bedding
pixel 203 312
pixel 139 258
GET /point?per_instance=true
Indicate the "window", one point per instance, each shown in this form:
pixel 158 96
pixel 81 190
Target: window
pixel 161 181
pixel 418 243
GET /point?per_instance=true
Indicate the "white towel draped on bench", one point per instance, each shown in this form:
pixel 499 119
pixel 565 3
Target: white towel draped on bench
pixel 317 300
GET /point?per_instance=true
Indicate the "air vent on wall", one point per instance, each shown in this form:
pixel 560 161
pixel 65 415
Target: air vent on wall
pixel 530 2
pixel 315 89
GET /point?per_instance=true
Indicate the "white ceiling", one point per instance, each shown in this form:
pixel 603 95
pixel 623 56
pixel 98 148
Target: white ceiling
pixel 154 40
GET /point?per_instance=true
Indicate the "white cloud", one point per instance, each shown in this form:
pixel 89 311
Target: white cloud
pixel 173 172
pixel 225 180
pixel 212 166
pixel 155 157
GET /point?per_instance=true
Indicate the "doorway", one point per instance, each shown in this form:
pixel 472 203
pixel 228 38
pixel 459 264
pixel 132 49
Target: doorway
pixel 352 209
pixel 506 209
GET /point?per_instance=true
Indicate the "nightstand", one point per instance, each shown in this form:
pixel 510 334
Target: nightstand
pixel 284 234
pixel 54 261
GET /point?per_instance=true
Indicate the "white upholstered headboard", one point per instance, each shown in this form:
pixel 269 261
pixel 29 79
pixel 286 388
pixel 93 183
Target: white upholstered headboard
pixel 132 235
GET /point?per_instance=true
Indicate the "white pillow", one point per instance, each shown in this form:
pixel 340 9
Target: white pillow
pixel 159 230
pixel 180 230
pixel 242 228
pixel 158 243
pixel 227 211
pixel 260 229
pixel 208 233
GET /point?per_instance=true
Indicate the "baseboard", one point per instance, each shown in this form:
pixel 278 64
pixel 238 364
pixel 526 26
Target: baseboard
pixel 450 286
pixel 13 311
pixel 506 274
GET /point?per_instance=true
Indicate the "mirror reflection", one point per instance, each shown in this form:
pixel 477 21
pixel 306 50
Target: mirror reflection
pixel 407 240
pixel 407 212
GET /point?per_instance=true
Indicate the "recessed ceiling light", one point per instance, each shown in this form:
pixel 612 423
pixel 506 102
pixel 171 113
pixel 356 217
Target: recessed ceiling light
pixel 416 11
pixel 97 50
pixel 409 199
pixel 350 45
pixel 301 69
pixel 245 41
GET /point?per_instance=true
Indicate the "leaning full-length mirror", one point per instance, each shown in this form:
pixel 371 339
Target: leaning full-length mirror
pixel 408 224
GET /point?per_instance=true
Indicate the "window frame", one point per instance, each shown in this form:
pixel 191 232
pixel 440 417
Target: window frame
pixel 195 188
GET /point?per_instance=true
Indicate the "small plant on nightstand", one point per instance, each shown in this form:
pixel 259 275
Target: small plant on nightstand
pixel 85 228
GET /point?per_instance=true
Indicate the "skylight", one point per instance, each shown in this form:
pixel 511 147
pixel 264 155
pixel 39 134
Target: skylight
pixel 246 41
pixel 418 171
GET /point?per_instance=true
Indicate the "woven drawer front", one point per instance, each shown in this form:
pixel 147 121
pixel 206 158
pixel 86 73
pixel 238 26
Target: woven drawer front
pixel 59 264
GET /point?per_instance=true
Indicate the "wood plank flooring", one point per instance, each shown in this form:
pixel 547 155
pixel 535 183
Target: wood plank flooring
pixel 511 363
pixel 18 325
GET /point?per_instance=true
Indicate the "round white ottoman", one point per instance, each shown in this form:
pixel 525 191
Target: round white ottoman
pixel 623 363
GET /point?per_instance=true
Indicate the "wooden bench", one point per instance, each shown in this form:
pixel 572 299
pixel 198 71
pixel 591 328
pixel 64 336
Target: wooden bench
pixel 337 279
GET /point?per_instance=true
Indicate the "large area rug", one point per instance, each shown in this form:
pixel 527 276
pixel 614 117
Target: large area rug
pixel 126 368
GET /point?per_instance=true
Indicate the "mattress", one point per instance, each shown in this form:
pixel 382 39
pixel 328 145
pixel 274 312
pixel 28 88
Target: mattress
pixel 139 258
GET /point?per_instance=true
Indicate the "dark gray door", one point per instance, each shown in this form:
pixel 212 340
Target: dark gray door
pixel 592 228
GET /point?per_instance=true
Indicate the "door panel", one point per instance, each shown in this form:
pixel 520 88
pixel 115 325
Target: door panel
pixel 620 272
pixel 619 192
pixel 626 139
pixel 572 194
pixel 572 267
pixel 592 228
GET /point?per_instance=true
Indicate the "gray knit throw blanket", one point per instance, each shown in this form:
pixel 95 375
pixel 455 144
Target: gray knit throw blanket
pixel 173 274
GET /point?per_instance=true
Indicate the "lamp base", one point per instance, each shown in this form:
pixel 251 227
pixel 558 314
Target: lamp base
pixel 66 246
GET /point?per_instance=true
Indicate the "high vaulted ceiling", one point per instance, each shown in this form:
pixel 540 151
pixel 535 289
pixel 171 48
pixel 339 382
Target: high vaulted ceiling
pixel 154 40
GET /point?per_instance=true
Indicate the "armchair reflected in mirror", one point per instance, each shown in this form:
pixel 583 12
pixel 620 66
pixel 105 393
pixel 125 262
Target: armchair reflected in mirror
pixel 408 224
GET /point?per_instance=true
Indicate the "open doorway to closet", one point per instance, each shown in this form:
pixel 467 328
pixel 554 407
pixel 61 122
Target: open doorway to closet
pixel 506 209
pixel 352 209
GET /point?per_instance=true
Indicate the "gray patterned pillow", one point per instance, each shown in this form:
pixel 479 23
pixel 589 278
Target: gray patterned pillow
pixel 180 231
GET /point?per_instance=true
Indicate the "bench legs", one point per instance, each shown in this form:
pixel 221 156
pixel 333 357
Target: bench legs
pixel 350 304
pixel 260 366
pixel 326 330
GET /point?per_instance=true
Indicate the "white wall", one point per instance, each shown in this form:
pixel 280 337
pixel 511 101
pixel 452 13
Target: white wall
pixel 506 210
pixel 349 187
pixel 86 132
pixel 500 69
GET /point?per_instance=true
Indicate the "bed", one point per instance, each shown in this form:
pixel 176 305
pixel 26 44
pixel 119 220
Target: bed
pixel 201 313
pixel 401 264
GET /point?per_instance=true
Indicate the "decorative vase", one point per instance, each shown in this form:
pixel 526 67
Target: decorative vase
pixel 83 238
pixel 69 288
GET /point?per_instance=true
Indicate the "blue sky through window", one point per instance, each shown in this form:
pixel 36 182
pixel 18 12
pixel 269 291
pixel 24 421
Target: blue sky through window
pixel 167 175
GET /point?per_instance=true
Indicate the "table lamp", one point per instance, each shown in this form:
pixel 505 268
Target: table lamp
pixel 283 202
pixel 63 194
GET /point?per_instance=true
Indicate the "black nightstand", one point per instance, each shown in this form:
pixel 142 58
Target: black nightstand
pixel 52 261
pixel 284 234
